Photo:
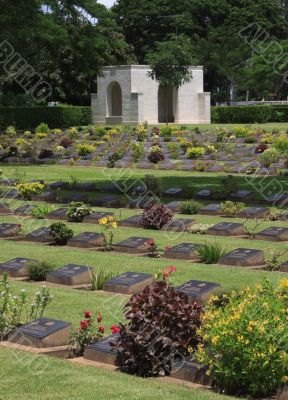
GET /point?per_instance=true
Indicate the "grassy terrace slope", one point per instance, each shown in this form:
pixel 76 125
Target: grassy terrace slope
pixel 64 380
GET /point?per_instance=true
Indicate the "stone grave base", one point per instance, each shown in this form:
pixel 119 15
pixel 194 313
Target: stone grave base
pixel 58 351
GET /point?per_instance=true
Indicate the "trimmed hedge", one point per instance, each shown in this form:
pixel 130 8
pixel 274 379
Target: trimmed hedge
pixel 55 117
pixel 249 114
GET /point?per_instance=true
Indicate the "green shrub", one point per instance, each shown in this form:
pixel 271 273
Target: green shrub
pixel 195 152
pixel 11 131
pixel 77 210
pixel 38 270
pixel 153 184
pixel 231 208
pixel 245 340
pixel 18 308
pixel 85 149
pixel 61 233
pixel 281 144
pixel 242 115
pixel 29 190
pixel 190 207
pixel 42 128
pixel 41 211
pixel 241 132
pixel 166 132
pixel 210 253
pixel 268 157
pixel 137 150
pixel 174 150
pixel 55 117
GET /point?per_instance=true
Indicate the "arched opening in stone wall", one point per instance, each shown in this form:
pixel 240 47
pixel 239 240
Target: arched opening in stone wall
pixel 114 100
pixel 166 104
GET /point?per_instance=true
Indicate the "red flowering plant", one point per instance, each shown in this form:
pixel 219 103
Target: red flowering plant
pixel 90 330
pixel 161 326
pixel 154 251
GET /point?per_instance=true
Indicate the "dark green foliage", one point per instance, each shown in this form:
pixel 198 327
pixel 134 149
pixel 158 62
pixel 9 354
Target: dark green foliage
pixel 210 253
pixel 249 114
pixel 38 270
pixel 55 117
pixel 61 233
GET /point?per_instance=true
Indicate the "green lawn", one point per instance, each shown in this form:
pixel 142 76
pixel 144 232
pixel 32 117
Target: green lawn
pixel 70 381
pixel 67 381
pixel 199 180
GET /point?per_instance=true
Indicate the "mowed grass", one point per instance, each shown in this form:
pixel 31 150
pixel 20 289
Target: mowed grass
pixel 68 381
pixel 62 379
pixel 127 178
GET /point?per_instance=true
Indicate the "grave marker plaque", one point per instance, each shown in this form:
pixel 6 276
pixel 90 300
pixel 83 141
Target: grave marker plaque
pixel 95 217
pixel 204 194
pixel 102 351
pixel 211 209
pixel 86 240
pixel 9 230
pixel 59 214
pixel 243 258
pixel 134 245
pixel 173 192
pixel 174 206
pixel 226 229
pixel 199 290
pixel 70 275
pixel 107 201
pixel 17 267
pixel 273 234
pixel 254 212
pixel 241 195
pixel 59 185
pixel 128 283
pixel 284 267
pixel 41 235
pixel 24 211
pixel 42 333
pixel 84 186
pixel 179 225
pixel 183 251
pixel 4 209
pixel 132 222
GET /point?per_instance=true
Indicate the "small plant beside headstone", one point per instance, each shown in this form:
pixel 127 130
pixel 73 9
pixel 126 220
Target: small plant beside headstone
pixel 61 233
pixel 77 211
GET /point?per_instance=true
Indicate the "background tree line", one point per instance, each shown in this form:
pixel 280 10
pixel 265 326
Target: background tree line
pixel 68 42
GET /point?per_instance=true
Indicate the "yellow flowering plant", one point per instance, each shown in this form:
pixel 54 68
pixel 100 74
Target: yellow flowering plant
pixel 245 341
pixel 108 226
pixel 29 190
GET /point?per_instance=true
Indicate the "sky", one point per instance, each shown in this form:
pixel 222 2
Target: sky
pixel 108 3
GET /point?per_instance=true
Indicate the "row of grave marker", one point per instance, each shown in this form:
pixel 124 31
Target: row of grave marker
pixel 234 229
pixel 126 283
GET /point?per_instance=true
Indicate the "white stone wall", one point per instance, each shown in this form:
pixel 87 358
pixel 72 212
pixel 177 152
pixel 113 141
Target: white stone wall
pixel 140 97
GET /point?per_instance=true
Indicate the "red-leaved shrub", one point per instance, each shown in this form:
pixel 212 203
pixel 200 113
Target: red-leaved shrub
pixel 156 216
pixel 161 330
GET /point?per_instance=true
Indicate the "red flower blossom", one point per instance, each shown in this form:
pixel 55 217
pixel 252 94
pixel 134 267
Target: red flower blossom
pixel 99 318
pixel 84 324
pixel 115 329
pixel 166 273
pixel 172 268
pixel 87 314
pixel 151 243
pixel 101 329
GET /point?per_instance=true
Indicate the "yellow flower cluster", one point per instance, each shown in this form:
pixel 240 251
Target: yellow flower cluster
pixel 108 222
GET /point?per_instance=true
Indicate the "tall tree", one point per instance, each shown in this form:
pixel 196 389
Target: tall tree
pixel 213 27
pixel 170 64
pixel 66 41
